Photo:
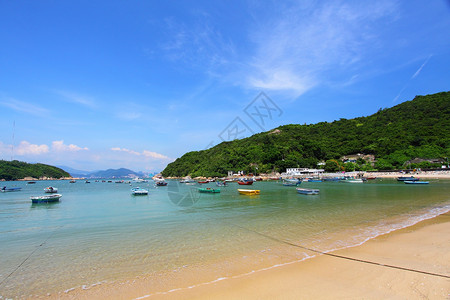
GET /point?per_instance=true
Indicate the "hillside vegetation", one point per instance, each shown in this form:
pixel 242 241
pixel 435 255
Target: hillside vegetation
pixel 13 170
pixel 414 129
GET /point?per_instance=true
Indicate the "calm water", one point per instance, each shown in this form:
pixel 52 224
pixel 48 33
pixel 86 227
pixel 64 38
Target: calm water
pixel 99 232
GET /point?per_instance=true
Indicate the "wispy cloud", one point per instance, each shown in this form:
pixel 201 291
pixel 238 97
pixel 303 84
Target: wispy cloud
pixel 24 107
pixel 298 47
pixel 412 77
pixel 145 153
pixel 77 99
pixel 421 67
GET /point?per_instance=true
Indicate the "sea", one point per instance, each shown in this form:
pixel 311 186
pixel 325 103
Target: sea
pixel 99 233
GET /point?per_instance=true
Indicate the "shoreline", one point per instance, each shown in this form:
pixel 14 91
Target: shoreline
pixel 417 246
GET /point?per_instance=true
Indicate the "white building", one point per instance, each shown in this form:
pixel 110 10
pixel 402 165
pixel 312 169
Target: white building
pixel 302 171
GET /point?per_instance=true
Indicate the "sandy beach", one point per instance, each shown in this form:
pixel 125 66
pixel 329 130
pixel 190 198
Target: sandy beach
pixel 411 263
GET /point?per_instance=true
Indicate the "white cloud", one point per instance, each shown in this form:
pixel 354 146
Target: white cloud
pixel 59 146
pixel 154 155
pixel 26 148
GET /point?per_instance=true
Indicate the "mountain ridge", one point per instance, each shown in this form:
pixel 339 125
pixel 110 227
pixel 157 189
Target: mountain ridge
pixel 415 128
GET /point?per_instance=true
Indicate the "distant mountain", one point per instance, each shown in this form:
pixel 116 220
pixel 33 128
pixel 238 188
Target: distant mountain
pixel 74 172
pixel 419 128
pixel 117 173
pixel 110 173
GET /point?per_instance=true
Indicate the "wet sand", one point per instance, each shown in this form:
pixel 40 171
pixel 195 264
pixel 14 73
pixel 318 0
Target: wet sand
pixel 421 253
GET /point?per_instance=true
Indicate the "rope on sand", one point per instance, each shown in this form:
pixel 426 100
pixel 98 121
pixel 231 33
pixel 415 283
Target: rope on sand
pixel 29 255
pixel 344 257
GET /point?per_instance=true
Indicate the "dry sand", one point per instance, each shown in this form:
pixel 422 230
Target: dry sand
pixel 423 247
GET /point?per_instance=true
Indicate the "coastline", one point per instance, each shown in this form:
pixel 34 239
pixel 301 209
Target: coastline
pixel 423 246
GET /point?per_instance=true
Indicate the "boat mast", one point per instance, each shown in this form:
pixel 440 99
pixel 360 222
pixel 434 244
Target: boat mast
pixel 12 144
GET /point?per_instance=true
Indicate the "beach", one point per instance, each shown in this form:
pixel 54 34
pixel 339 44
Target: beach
pixel 410 263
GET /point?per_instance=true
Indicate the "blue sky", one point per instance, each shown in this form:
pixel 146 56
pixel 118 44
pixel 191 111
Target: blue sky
pixel 107 84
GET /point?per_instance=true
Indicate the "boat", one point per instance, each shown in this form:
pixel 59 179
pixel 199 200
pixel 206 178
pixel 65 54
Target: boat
pixel 13 189
pixel 371 178
pixel 221 183
pixel 31 182
pixel 208 190
pixel 355 180
pixel 203 181
pixel 46 198
pixel 137 191
pixel 248 192
pixel 332 179
pixel 245 182
pixel 50 190
pixel 161 183
pixel 290 182
pixel 407 178
pixel 307 191
pixel 415 182
pixel 314 180
pixel 72 181
pixel 187 180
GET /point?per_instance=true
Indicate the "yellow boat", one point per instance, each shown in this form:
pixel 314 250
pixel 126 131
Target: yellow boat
pixel 248 192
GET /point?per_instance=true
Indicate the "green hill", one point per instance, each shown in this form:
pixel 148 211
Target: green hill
pixel 414 129
pixel 13 170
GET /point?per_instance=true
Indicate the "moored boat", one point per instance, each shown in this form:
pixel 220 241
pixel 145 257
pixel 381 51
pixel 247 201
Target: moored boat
pixel 248 192
pixel 415 182
pixel 12 189
pixel 50 190
pixel 161 183
pixel 209 190
pixel 245 182
pixel 307 191
pixel 46 198
pixel 407 178
pixel 355 180
pixel 290 182
pixel 137 191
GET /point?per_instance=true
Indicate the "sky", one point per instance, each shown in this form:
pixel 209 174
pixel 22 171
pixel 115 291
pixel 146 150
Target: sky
pixel 94 85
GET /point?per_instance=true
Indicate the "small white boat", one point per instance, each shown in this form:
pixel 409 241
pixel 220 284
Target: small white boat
pixel 46 198
pixel 356 180
pixel 137 191
pixel 50 190
pixel 307 191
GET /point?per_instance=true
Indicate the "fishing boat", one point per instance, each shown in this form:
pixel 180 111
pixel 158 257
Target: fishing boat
pixel 137 191
pixel 248 192
pixel 203 181
pixel 13 189
pixel 407 178
pixel 307 191
pixel 50 190
pixel 245 182
pixel 221 183
pixel 208 190
pixel 72 181
pixel 161 183
pixel 46 198
pixel 415 182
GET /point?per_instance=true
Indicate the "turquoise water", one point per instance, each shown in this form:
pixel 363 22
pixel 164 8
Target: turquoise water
pixel 99 232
